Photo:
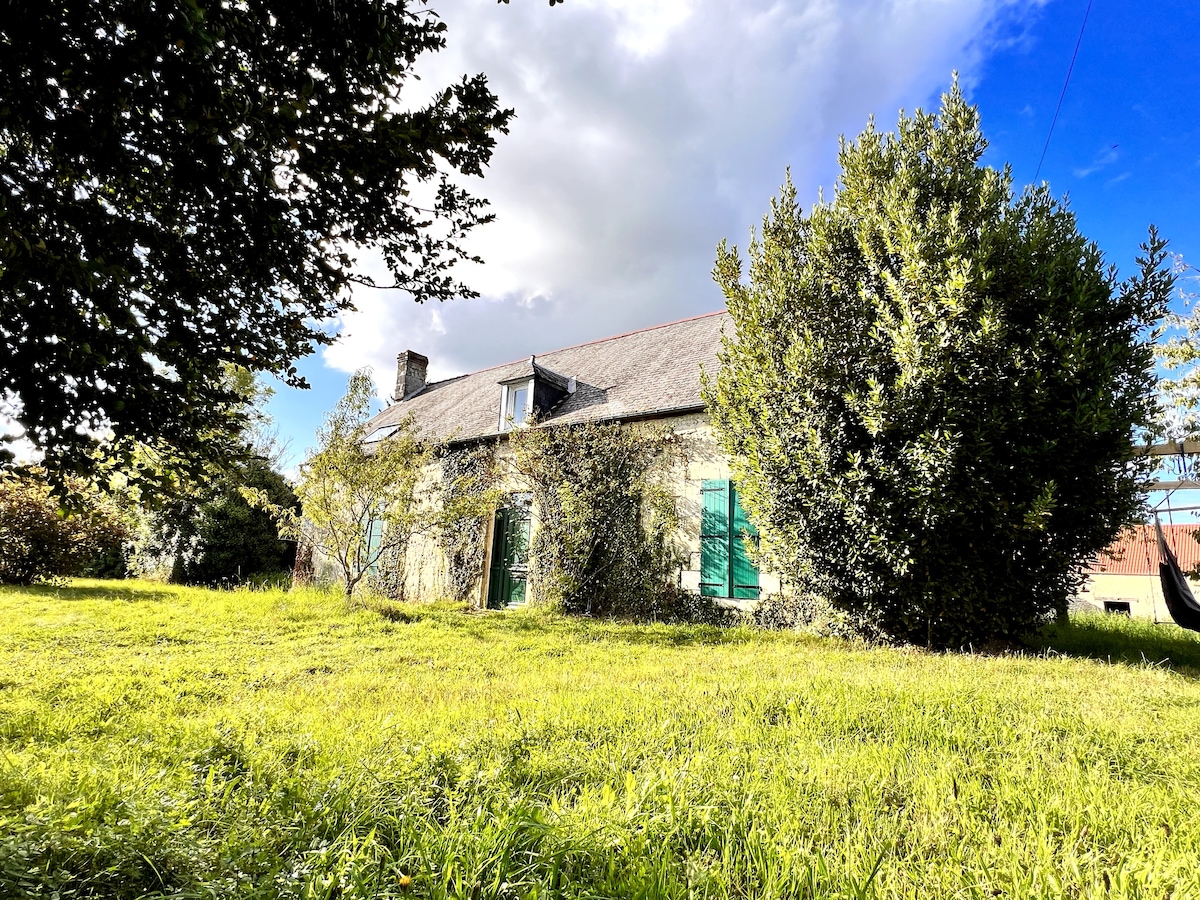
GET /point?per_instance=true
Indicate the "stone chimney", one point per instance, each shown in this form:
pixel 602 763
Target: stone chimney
pixel 410 373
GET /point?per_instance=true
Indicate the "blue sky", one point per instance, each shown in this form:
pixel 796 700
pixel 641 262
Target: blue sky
pixel 1126 147
pixel 648 130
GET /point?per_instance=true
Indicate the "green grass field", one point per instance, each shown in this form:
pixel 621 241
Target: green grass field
pixel 168 742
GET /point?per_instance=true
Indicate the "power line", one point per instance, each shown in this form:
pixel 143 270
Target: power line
pixel 1070 69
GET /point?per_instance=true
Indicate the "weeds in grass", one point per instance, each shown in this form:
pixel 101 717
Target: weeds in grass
pixel 159 741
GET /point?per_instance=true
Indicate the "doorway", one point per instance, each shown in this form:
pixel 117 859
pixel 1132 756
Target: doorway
pixel 509 569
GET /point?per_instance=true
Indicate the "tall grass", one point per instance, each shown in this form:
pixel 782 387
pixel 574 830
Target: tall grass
pixel 160 741
pixel 1115 638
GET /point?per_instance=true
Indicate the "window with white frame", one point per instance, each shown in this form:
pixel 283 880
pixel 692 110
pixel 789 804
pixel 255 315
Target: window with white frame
pixel 516 402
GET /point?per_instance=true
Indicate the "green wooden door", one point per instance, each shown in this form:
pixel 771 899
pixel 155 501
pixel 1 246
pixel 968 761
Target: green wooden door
pixel 509 569
pixel 726 569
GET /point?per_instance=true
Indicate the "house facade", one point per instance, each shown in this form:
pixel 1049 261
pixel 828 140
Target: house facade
pixel 652 375
pixel 1124 579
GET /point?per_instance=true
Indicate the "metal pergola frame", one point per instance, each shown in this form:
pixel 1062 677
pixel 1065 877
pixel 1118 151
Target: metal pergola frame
pixel 1181 449
pixel 1175 509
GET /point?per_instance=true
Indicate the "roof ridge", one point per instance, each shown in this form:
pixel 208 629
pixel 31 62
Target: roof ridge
pixel 1138 526
pixel 626 334
pixel 614 337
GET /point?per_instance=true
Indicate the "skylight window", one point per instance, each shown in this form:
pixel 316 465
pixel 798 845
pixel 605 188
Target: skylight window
pixel 383 431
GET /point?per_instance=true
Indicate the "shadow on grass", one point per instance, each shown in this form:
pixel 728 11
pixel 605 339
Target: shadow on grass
pixel 1105 638
pixel 1117 639
pixel 484 625
pixel 126 591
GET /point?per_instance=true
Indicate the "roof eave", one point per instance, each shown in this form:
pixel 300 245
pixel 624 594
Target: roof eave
pixel 665 412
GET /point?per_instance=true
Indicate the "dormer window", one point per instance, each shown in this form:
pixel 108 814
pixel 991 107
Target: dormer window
pixel 519 405
pixel 534 392
pixel 516 404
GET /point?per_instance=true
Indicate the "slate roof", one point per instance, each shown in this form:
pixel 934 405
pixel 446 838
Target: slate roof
pixel 645 373
pixel 1129 551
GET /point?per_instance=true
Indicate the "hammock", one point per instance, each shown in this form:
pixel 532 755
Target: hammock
pixel 1176 591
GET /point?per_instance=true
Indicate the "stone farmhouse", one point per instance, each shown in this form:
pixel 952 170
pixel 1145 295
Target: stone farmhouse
pixel 647 375
pixel 654 375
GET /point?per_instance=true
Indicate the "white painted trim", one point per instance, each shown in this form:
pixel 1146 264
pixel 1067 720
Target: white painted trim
pixel 507 394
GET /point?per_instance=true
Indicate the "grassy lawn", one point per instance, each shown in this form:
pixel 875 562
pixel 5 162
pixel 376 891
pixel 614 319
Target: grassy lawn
pixel 160 741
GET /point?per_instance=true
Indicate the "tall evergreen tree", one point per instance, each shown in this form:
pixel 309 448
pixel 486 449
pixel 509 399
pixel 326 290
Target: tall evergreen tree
pixel 933 386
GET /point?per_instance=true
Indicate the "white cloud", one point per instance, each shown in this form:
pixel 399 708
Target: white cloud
pixel 1100 161
pixel 646 131
pixel 643 27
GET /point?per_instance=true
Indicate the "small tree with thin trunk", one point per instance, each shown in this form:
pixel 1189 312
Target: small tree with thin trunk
pixel 359 502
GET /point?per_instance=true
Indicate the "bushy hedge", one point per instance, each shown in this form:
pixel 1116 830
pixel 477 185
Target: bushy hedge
pixel 931 389
pixel 41 538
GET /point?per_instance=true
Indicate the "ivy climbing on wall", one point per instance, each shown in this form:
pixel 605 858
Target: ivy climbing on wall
pixel 604 542
pixel 469 493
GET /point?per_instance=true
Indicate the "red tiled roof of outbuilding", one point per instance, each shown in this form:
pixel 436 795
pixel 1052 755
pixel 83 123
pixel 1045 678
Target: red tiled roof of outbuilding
pixel 1135 551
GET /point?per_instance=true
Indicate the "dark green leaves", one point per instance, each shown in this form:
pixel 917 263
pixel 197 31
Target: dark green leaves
pixel 182 187
pixel 932 392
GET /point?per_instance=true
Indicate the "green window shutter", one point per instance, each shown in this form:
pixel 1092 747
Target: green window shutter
pixel 726 569
pixel 374 541
pixel 714 539
pixel 743 571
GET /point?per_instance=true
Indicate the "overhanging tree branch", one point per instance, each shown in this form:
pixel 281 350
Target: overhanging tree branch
pixel 178 187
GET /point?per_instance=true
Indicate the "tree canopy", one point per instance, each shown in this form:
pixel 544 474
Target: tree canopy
pixel 1179 355
pixel 358 501
pixel 933 386
pixel 184 186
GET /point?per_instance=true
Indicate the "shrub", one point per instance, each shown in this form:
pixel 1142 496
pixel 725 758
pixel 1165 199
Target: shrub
pixel 930 400
pixel 790 610
pixel 40 539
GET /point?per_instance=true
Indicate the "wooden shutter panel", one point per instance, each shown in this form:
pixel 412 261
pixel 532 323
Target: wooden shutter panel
pixel 374 541
pixel 714 539
pixel 726 569
pixel 743 571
